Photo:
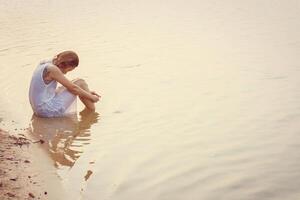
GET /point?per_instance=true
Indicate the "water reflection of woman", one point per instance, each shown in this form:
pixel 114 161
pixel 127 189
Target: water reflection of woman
pixel 64 137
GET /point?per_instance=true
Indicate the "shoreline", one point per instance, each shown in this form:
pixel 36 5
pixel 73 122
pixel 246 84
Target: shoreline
pixel 25 172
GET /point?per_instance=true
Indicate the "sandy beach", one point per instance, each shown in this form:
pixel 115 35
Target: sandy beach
pixel 18 178
pixel 21 177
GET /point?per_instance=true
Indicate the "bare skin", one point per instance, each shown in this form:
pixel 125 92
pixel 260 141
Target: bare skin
pixel 77 87
pixel 87 102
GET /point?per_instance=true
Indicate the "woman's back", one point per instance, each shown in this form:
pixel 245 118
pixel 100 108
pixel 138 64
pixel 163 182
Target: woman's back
pixel 39 91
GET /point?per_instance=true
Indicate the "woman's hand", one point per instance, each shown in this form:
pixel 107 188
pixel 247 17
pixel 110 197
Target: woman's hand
pixel 95 98
pixel 94 93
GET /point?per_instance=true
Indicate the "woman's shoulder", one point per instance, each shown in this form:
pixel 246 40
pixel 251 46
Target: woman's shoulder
pixel 47 63
pixel 47 66
pixel 51 66
pixel 53 69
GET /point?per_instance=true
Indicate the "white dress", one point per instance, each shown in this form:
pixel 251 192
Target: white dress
pixel 44 99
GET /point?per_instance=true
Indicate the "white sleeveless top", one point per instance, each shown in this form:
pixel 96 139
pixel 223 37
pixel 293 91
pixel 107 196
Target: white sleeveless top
pixel 40 92
pixel 44 101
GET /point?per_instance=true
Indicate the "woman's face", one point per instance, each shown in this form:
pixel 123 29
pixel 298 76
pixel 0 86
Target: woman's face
pixel 63 65
pixel 66 69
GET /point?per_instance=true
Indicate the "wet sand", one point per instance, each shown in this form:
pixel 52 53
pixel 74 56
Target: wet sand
pixel 21 177
pixel 18 180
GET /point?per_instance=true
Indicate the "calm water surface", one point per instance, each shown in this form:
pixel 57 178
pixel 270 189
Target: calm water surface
pixel 200 98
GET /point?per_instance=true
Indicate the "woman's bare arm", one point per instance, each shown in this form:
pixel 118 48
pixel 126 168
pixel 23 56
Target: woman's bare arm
pixel 56 74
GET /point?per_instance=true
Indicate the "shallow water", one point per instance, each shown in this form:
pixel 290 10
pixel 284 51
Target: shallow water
pixel 200 98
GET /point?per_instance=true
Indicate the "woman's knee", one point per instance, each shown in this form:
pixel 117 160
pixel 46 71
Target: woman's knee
pixel 80 82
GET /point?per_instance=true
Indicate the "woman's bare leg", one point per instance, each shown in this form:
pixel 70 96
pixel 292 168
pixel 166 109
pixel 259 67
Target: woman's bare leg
pixel 82 84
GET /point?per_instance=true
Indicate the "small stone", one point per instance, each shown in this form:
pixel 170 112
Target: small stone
pixel 31 195
pixel 10 194
pixel 88 174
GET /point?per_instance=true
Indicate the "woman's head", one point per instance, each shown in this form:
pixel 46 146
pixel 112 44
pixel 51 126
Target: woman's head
pixel 66 60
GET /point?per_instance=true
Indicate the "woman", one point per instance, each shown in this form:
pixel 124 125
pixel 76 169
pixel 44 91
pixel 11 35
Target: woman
pixel 49 101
